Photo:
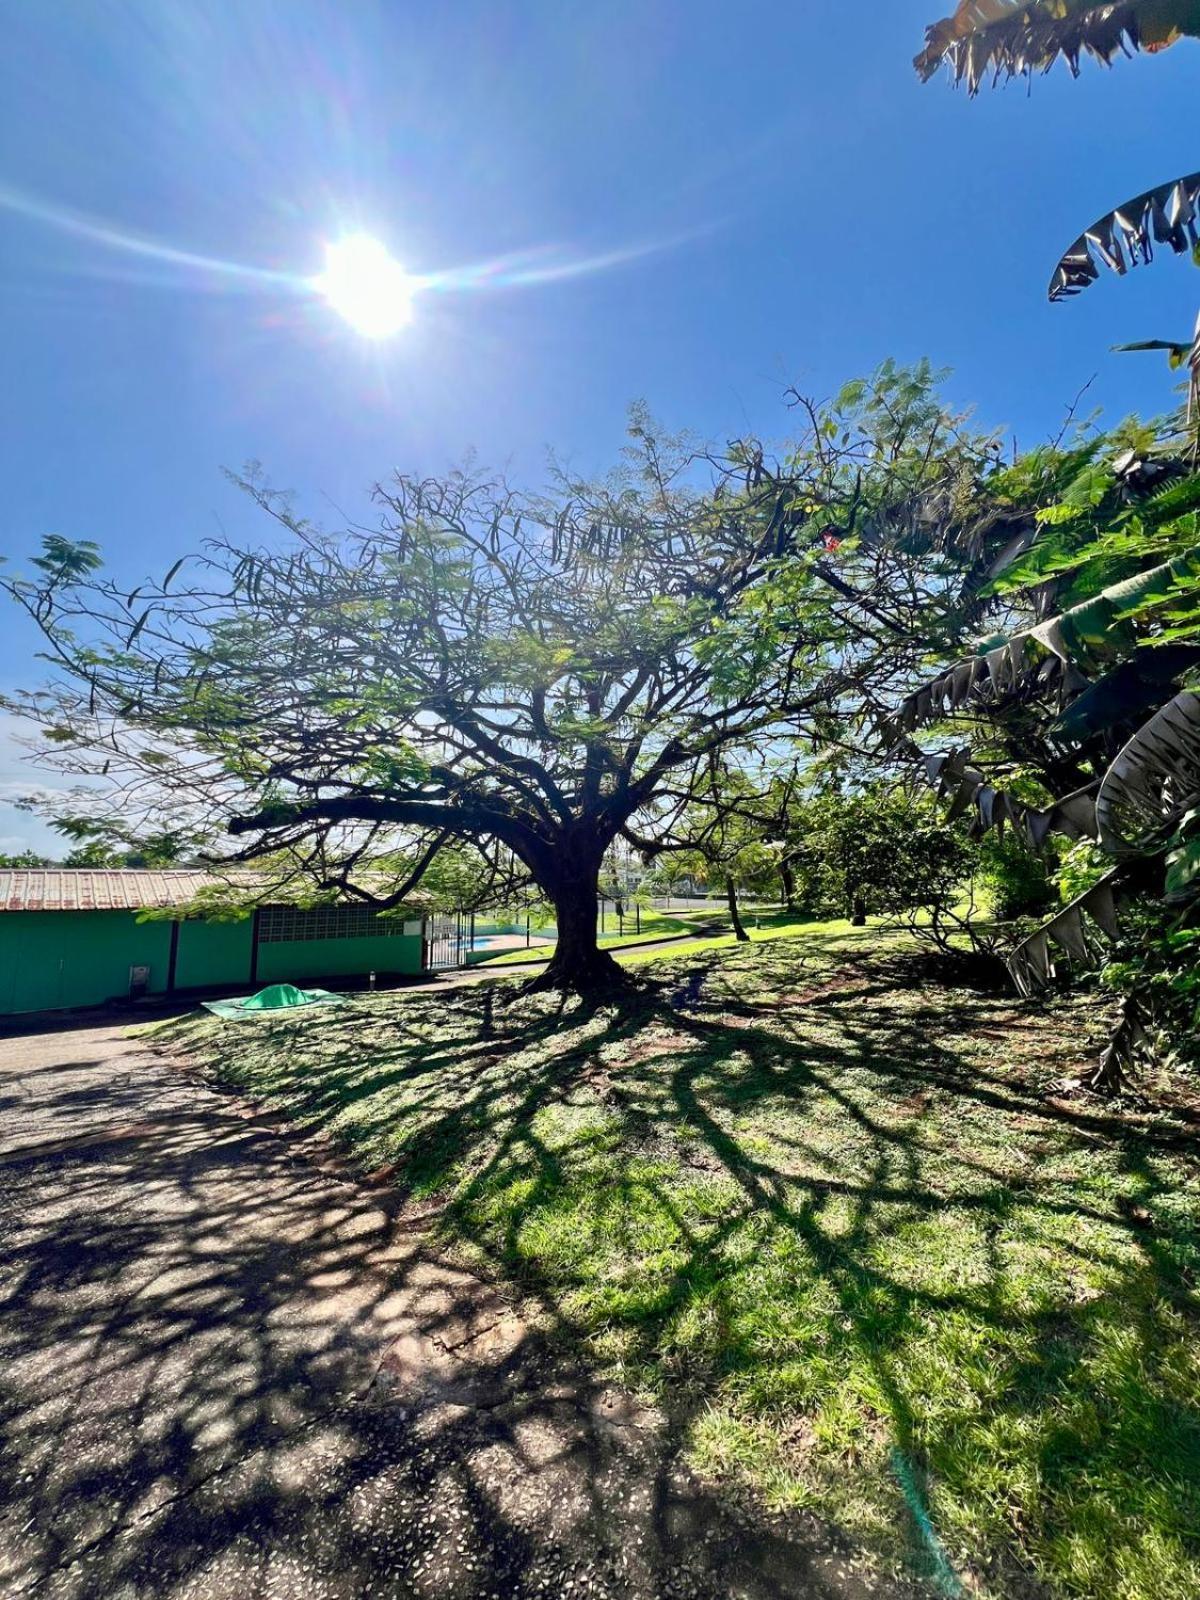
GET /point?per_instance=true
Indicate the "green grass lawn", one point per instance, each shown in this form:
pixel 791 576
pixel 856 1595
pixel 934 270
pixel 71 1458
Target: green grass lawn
pixel 829 937
pixel 836 1216
pixel 709 927
pixel 655 925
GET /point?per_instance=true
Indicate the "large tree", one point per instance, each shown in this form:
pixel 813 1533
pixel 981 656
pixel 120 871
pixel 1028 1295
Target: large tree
pixel 522 672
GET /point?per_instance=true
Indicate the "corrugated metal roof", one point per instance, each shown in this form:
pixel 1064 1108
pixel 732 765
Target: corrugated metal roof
pixel 97 889
pixel 115 889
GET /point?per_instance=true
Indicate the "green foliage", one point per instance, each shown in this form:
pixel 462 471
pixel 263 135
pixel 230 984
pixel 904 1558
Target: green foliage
pixel 457 879
pixel 1156 961
pixel 67 559
pixel 1183 858
pixel 108 844
pixel 1098 584
pixel 881 851
pixel 727 830
pixel 1018 880
pixel 1080 867
pixel 1090 533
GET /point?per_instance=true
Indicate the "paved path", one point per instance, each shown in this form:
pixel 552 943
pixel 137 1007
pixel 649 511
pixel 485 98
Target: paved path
pixel 226 1372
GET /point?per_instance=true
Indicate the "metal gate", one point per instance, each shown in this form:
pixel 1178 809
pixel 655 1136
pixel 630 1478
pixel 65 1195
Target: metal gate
pixel 446 941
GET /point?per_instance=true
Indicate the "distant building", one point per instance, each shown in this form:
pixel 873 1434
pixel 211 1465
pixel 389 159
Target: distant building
pixel 73 937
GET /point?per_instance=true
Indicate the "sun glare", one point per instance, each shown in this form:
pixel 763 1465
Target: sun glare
pixel 366 286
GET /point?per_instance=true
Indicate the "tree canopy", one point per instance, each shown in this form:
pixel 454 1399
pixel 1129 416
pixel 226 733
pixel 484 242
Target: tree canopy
pixel 528 673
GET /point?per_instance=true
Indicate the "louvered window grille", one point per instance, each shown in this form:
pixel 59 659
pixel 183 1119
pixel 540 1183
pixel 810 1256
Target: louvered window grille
pixel 287 924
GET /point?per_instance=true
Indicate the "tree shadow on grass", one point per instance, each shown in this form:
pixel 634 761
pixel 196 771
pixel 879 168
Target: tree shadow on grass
pixel 998 1287
pixel 836 1228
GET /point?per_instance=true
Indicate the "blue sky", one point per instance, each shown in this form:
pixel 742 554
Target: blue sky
pixel 806 208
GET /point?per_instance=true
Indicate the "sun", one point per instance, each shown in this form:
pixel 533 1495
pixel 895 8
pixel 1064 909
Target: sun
pixel 367 286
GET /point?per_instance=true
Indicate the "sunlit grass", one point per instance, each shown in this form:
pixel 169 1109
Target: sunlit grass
pixel 652 925
pixel 827 1210
pixel 711 934
pixel 824 938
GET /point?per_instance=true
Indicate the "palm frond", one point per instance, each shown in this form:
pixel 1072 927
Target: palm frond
pixel 1016 38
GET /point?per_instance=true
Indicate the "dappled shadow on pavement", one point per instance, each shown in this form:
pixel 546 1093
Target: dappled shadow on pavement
pixel 227 1371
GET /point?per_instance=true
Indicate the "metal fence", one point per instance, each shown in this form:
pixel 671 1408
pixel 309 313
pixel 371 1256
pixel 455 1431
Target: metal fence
pixel 446 936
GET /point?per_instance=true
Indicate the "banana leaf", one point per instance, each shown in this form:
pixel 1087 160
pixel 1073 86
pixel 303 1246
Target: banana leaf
pixel 952 775
pixel 1126 237
pixel 1089 638
pixel 1130 691
pixel 1154 781
pixel 1010 668
pixel 1014 38
pixel 1128 1041
pixel 1073 930
pixel 1178 351
pixel 1179 355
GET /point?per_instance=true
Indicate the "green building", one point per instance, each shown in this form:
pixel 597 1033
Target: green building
pixel 80 937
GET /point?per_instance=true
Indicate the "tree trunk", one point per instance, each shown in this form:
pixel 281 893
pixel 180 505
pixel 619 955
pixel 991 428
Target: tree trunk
pixel 578 963
pixel 788 880
pixel 734 914
pixel 858 912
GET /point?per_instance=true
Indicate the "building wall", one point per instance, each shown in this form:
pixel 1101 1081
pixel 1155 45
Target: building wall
pixel 296 961
pixel 212 955
pixel 50 959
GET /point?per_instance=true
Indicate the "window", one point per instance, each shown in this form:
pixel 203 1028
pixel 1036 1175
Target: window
pixel 286 924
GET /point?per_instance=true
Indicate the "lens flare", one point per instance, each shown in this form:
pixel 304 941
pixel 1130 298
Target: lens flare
pixel 362 282
pixel 366 286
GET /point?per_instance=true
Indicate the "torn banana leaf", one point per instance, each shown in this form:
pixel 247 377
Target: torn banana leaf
pixel 1074 816
pixel 1010 668
pixel 1126 237
pixel 1129 1039
pixel 1129 693
pixel 1180 355
pixel 1091 637
pixel 1154 781
pixel 1179 351
pixel 1014 38
pixel 1073 930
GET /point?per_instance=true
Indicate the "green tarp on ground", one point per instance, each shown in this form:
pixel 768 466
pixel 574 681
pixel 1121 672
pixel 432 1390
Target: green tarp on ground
pixel 275 998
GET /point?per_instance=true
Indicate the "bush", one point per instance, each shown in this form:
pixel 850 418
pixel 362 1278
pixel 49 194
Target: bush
pixel 1018 882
